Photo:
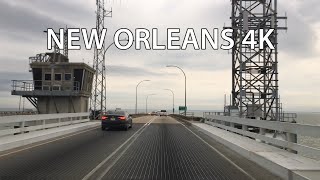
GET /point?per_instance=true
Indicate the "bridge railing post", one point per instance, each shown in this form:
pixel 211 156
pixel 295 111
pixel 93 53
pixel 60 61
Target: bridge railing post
pixel 22 124
pixel 71 120
pixel 59 122
pixel 44 124
pixel 262 131
pixel 245 127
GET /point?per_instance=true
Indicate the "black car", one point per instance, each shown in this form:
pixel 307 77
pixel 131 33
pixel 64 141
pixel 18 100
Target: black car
pixel 116 118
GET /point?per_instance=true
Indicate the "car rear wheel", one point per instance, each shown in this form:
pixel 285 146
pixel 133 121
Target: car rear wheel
pixel 126 128
pixel 103 128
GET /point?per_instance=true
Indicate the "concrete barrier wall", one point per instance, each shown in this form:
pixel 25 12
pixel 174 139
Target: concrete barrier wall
pixel 10 142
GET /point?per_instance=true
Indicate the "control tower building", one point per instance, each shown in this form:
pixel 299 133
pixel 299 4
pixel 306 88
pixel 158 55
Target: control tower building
pixel 58 86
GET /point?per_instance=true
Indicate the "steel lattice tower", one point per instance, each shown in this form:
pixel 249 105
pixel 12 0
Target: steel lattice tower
pixel 255 72
pixel 98 97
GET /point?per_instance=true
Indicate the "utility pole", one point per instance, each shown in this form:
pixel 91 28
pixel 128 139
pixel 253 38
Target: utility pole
pixel 172 99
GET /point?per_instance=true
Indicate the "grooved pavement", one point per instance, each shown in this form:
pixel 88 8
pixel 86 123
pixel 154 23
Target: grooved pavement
pixel 164 149
pixel 167 150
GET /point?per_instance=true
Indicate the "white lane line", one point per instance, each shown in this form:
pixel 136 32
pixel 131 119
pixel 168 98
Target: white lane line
pixel 222 155
pixel 47 142
pixel 115 151
pixel 121 154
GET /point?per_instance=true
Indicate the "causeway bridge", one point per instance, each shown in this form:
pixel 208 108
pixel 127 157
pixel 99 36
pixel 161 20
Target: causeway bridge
pixel 70 146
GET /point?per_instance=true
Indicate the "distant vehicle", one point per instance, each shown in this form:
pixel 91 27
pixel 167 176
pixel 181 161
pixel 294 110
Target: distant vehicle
pixel 163 113
pixel 153 113
pixel 116 118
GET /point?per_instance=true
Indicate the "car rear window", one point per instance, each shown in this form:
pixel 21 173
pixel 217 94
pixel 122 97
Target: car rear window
pixel 163 111
pixel 116 113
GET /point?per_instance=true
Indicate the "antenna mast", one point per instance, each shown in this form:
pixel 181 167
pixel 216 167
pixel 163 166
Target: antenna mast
pixel 255 72
pixel 98 96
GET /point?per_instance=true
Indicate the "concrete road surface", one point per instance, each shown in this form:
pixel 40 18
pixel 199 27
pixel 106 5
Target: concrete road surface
pixel 155 148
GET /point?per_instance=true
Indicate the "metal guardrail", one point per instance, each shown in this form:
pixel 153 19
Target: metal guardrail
pixel 190 114
pixel 214 113
pixel 228 123
pixel 11 125
pixel 288 117
pixel 284 117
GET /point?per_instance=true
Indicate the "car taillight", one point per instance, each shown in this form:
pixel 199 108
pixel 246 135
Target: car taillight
pixel 104 117
pixel 122 117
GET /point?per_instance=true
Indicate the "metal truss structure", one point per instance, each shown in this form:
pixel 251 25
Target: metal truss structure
pixel 98 96
pixel 255 71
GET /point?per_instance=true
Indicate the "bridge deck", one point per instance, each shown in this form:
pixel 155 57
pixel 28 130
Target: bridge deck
pixel 155 148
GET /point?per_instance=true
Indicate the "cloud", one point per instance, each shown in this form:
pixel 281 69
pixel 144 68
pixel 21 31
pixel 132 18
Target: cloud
pixel 300 38
pixel 24 23
pixel 310 11
pixel 7 77
pixel 116 70
pixel 210 60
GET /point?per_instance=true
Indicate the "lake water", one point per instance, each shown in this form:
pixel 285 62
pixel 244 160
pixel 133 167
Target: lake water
pixel 312 119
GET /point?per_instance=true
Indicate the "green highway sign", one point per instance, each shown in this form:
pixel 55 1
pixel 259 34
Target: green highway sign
pixel 182 108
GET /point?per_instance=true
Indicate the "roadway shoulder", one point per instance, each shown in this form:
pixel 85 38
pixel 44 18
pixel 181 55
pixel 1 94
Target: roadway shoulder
pixel 280 162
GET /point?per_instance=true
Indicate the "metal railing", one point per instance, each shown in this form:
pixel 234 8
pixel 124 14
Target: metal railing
pixel 43 57
pixel 288 117
pixel 214 113
pixel 189 114
pixel 11 125
pixel 232 124
pixel 284 117
pixel 14 113
pixel 31 85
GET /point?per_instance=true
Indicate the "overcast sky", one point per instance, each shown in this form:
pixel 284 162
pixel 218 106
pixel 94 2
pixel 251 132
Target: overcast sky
pixel 208 72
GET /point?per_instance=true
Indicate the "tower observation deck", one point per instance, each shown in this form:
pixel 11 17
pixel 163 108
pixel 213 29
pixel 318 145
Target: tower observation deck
pixel 58 86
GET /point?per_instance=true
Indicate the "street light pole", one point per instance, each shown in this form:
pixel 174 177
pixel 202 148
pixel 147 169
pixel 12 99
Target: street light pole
pixel 147 102
pixel 137 94
pixel 185 88
pixel 104 86
pixel 104 60
pixel 104 53
pixel 172 99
